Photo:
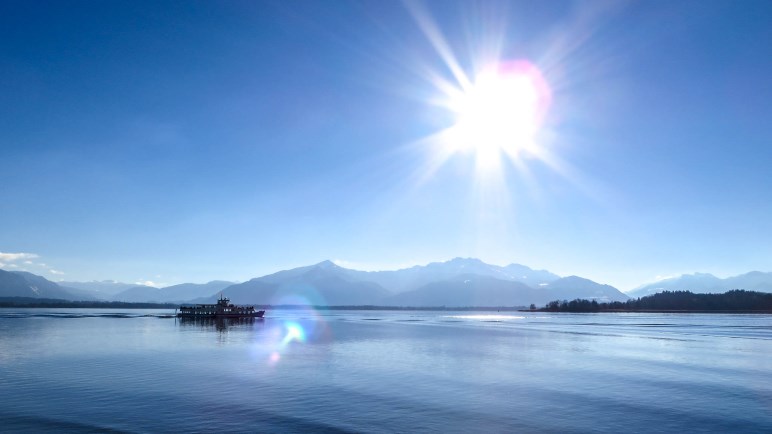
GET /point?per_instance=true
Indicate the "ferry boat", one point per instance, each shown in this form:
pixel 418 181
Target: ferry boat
pixel 223 309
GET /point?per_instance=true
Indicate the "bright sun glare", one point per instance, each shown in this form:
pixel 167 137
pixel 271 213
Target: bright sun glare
pixel 499 112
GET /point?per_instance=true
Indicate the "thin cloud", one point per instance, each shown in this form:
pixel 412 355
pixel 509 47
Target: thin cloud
pixel 13 257
pixel 23 260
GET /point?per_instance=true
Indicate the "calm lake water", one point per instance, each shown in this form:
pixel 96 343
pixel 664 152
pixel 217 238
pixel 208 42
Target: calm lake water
pixel 84 370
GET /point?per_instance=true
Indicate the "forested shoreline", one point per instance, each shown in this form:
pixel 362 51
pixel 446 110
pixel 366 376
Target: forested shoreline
pixel 29 302
pixel 736 300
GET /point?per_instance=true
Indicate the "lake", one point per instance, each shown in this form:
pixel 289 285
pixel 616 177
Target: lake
pixel 92 370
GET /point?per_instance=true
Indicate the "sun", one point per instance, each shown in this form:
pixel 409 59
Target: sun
pixel 499 112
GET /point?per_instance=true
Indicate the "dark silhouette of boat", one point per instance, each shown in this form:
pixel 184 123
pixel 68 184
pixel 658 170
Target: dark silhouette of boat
pixel 223 309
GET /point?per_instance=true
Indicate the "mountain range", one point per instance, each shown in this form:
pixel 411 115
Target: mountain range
pixel 459 282
pixel 23 284
pixel 171 294
pixel 708 283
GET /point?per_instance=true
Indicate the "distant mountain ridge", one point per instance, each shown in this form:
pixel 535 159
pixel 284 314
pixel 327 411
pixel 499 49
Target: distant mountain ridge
pixel 28 285
pixel 104 289
pixel 23 284
pixel 461 282
pixel 458 282
pixel 171 294
pixel 702 283
pixel 412 278
pixel 485 291
pixel 321 284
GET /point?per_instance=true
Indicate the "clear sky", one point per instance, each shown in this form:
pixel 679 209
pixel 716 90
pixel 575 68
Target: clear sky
pixel 192 140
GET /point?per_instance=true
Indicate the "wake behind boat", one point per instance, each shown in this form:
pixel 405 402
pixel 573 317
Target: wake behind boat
pixel 223 309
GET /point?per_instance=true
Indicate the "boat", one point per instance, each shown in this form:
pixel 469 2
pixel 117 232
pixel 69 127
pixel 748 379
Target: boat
pixel 223 309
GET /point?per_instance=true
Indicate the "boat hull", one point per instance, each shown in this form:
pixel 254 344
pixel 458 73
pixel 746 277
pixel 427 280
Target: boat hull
pixel 223 309
pixel 257 314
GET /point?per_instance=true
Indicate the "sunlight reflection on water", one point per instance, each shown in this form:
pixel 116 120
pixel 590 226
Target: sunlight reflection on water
pixel 485 317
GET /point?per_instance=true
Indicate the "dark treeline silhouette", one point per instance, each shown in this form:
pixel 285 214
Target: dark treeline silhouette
pixel 57 303
pixel 737 300
pixel 574 306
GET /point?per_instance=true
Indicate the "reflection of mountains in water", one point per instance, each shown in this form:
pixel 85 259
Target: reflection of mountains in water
pixel 219 324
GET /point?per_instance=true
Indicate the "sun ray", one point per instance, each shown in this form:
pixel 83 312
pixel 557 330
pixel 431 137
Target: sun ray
pixel 433 33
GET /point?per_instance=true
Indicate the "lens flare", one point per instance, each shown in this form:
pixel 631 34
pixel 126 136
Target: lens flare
pixel 277 342
pixel 295 332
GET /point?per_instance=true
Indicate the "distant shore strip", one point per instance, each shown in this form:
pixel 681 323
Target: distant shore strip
pixel 730 302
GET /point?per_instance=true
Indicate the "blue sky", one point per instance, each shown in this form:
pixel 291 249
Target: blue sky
pixel 191 141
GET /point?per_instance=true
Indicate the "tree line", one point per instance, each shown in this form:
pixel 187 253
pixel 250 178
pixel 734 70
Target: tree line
pixel 58 303
pixel 737 300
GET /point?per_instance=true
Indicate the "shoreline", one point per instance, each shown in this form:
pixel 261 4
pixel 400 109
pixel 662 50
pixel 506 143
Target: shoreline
pixel 520 309
pixel 658 311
